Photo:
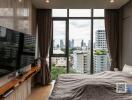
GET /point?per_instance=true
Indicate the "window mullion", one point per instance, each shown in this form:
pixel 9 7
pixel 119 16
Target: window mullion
pixel 92 69
pixel 67 39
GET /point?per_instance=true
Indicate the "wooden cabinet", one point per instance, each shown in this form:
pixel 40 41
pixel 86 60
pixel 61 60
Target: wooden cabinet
pixel 19 88
pixel 21 92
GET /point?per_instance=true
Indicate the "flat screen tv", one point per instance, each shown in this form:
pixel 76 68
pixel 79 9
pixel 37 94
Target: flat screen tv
pixel 17 50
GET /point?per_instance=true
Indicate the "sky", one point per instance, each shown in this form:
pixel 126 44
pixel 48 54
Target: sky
pixel 79 29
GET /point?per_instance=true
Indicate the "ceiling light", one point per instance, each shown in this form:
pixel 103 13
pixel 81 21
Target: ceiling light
pixel 112 1
pixel 20 0
pixel 47 1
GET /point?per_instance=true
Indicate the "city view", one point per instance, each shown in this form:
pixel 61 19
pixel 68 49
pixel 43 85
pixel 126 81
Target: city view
pixel 80 46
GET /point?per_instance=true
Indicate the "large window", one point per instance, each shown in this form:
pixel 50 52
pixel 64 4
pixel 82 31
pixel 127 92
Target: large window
pixel 79 36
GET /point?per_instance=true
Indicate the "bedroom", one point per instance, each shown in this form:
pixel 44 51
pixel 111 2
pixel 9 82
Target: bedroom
pixel 89 42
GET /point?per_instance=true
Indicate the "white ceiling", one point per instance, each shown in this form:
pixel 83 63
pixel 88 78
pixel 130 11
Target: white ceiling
pixel 79 4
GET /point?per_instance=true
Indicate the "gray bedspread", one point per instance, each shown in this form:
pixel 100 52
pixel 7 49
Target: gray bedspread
pixel 101 86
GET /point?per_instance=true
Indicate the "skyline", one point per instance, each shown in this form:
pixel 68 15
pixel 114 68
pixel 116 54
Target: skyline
pixel 75 41
pixel 79 29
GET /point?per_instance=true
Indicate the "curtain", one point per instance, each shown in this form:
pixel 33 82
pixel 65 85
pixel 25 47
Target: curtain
pixel 112 35
pixel 44 21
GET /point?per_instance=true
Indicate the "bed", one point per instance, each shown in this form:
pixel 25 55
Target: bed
pixel 101 86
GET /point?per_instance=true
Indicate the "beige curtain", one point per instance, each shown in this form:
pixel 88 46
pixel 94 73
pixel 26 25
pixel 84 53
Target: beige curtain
pixel 44 21
pixel 112 35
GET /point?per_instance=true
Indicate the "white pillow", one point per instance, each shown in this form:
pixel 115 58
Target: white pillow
pixel 127 68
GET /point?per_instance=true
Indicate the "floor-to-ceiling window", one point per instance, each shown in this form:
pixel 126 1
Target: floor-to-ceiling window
pixel 78 42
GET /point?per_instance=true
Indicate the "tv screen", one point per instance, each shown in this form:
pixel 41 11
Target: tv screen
pixel 17 50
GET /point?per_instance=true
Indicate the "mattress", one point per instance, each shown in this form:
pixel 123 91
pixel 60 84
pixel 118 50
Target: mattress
pixel 101 86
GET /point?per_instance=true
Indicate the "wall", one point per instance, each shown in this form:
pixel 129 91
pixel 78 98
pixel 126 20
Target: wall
pixel 17 15
pixel 126 54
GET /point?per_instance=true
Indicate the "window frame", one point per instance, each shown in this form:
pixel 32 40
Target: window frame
pixel 92 18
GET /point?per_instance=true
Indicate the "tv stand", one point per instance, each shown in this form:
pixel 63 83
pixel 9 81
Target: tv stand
pixel 20 87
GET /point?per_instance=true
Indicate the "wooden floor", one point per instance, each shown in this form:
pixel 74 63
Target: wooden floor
pixel 41 93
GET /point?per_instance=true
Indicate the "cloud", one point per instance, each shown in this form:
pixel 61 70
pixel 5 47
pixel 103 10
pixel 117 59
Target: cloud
pixel 78 30
pixel 80 23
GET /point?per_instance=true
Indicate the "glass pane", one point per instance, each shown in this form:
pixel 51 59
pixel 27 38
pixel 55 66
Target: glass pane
pixel 79 46
pixel 59 12
pixel 98 12
pixel 22 26
pixel 23 12
pixel 59 37
pixel 6 12
pixel 7 22
pixel 58 66
pixel 101 56
pixel 80 12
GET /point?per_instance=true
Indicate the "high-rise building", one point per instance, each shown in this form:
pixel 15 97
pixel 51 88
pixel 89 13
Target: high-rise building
pixel 72 43
pixel 81 61
pixel 101 39
pixel 101 56
pixel 57 46
pixel 82 43
pixel 61 44
pixel 101 63
pixel 89 44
